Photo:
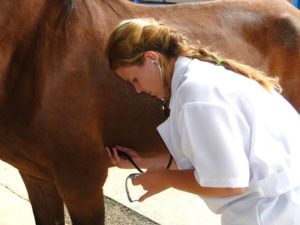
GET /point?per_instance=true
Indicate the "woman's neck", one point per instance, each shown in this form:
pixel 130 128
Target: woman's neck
pixel 169 75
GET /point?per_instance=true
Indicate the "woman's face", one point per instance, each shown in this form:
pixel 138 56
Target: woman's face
pixel 145 78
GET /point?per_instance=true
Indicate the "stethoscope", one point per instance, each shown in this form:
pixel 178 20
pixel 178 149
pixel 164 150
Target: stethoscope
pixel 164 102
pixel 166 111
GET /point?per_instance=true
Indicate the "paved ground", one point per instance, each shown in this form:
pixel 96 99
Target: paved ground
pixel 117 214
pixel 169 208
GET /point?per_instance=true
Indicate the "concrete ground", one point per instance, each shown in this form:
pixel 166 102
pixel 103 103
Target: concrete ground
pixel 171 207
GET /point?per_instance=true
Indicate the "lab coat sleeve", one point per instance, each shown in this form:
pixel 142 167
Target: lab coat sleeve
pixel 212 139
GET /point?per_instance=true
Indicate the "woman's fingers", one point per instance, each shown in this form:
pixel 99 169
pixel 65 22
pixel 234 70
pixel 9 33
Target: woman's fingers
pixel 110 155
pixel 145 196
pixel 120 156
pixel 116 156
pixel 136 180
pixel 113 155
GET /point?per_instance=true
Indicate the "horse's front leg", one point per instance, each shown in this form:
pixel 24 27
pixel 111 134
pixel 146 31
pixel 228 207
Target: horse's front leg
pixel 46 203
pixel 80 178
pixel 87 209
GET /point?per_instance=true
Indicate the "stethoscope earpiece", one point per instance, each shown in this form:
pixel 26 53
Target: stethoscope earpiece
pixel 164 106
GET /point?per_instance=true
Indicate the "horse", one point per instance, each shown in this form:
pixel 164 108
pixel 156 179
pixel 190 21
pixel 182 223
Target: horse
pixel 60 104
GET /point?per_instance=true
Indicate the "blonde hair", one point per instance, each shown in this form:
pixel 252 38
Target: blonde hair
pixel 131 38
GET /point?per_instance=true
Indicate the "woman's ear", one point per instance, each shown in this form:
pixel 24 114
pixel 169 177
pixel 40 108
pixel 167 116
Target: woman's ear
pixel 152 56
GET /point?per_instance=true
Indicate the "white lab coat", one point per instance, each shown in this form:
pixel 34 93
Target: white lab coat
pixel 234 133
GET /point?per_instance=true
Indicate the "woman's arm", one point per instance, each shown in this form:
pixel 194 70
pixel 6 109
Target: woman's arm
pixel 159 160
pixel 185 180
pixel 155 181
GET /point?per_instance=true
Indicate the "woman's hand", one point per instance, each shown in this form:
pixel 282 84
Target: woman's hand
pixel 153 181
pixel 122 162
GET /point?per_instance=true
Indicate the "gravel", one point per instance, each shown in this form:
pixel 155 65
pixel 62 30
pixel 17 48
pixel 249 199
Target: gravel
pixel 118 214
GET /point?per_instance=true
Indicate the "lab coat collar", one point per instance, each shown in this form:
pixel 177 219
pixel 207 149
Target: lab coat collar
pixel 180 67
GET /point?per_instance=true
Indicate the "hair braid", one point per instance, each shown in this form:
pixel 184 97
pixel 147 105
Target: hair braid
pixel 195 51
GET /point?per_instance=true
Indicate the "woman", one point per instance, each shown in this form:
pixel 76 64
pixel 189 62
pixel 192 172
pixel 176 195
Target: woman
pixel 233 136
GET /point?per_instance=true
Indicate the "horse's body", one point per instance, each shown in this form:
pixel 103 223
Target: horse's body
pixel 60 104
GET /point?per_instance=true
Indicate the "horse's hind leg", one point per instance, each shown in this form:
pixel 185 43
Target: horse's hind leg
pixel 46 203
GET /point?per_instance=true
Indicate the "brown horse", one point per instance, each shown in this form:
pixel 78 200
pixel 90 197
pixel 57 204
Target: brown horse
pixel 60 104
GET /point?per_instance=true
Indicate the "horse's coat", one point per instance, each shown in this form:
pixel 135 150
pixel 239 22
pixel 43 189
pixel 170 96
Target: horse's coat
pixel 60 104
